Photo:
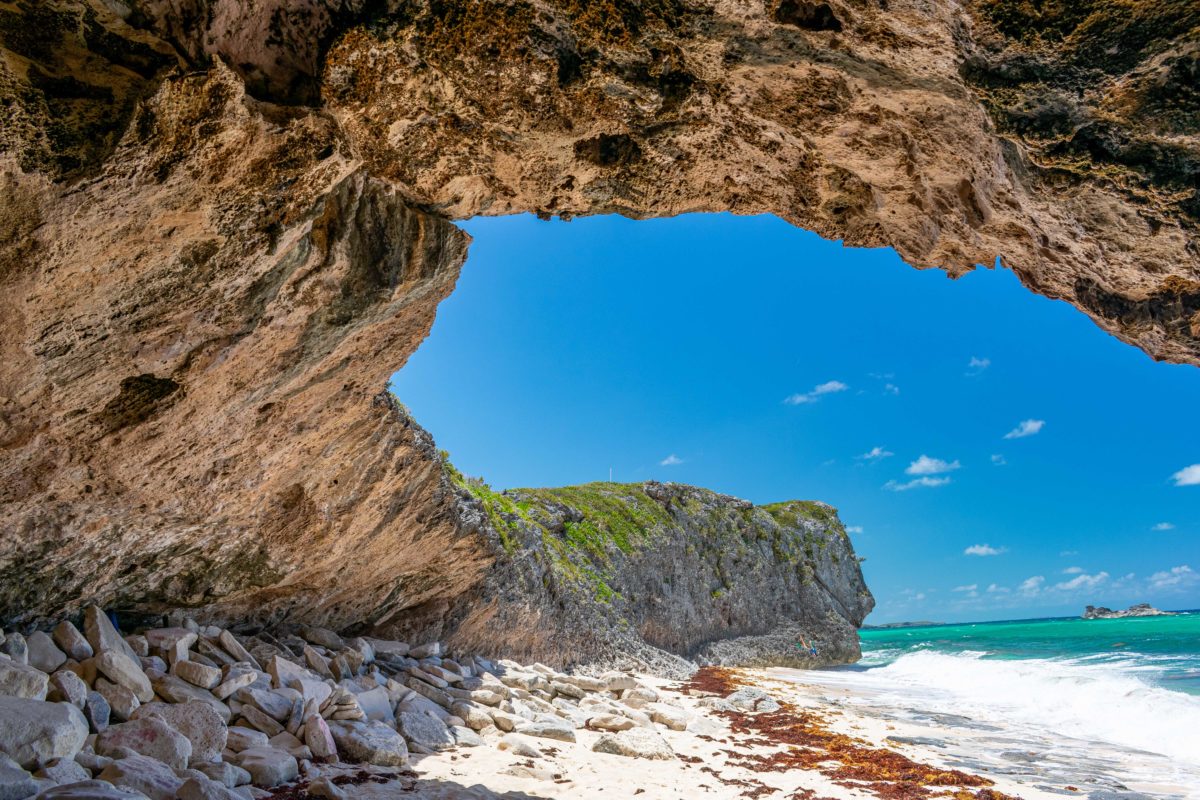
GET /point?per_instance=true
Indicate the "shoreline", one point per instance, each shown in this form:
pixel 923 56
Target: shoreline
pixel 200 713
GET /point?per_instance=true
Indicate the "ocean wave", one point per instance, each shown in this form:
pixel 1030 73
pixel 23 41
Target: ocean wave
pixel 1070 697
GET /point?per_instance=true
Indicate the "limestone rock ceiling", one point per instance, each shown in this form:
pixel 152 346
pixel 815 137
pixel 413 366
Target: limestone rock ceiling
pixel 223 223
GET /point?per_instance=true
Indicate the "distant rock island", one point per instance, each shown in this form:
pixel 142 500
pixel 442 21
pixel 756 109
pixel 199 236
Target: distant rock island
pixel 890 625
pixel 1139 610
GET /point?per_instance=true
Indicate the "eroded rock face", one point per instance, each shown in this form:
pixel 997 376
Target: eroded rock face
pixel 223 224
pixel 621 574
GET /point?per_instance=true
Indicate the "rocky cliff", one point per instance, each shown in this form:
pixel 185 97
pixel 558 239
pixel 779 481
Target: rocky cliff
pixel 224 223
pixel 653 574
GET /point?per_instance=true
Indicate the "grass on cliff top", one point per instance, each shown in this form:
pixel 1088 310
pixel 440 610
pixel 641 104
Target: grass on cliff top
pixel 792 513
pixel 617 513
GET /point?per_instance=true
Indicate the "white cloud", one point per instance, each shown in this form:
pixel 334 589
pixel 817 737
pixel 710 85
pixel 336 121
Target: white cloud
pixel 891 388
pixel 854 529
pixel 1085 582
pixel 1174 578
pixel 977 365
pixel 671 461
pixel 984 550
pixel 931 466
pixel 1031 586
pixel 1029 427
pixel 916 483
pixel 1073 571
pixel 968 588
pixel 876 453
pixel 919 596
pixel 829 387
pixel 999 460
pixel 1188 476
pixel 996 588
pixel 1163 526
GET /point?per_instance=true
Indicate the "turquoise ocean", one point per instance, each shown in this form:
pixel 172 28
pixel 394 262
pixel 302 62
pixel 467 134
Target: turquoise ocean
pixel 1128 688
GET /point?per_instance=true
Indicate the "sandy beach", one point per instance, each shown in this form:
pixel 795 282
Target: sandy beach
pixel 722 755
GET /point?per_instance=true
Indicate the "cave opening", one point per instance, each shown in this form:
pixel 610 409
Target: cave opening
pixel 944 419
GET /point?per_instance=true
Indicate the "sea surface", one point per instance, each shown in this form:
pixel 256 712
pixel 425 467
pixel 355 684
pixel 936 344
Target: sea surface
pixel 1110 704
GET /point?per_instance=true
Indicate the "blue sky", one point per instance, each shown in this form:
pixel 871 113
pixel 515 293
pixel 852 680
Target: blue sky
pixel 993 453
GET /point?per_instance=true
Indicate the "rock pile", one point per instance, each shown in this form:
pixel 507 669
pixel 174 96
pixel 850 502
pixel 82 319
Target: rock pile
pixel 198 713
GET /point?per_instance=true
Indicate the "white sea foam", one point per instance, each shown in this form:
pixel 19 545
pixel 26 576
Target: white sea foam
pixel 1106 701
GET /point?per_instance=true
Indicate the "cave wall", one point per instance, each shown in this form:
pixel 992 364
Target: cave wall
pixel 223 224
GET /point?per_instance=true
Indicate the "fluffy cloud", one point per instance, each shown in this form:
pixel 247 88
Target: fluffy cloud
pixel 999 460
pixel 1031 586
pixel 829 387
pixel 1073 571
pixel 891 388
pixel 1085 582
pixel 875 454
pixel 977 365
pixel 1175 578
pixel 1163 526
pixel 671 461
pixel 996 588
pixel 931 466
pixel 968 588
pixel 1188 476
pixel 1029 427
pixel 854 529
pixel 984 550
pixel 916 483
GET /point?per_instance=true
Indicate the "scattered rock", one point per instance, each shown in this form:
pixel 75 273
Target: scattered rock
pixel 34 731
pixel 519 746
pixel 201 788
pixel 668 716
pixel 125 671
pixel 423 730
pixel 235 649
pixel 175 690
pixel 618 681
pixel 268 766
pixel 610 722
pixel 63 770
pixel 197 674
pixel 143 774
pixel 558 729
pixel 72 642
pixel 122 702
pixel 228 775
pixel 749 698
pixel 319 739
pixel 66 686
pixel 97 711
pixel 90 790
pixel 198 723
pixel 44 653
pixel 425 651
pixel 21 680
pixel 239 738
pixel 15 782
pixel 15 648
pixel 370 742
pixel 635 743
pixel 103 636
pixel 465 737
pixel 149 736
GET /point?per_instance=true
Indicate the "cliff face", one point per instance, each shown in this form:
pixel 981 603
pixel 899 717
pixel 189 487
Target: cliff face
pixel 224 223
pixel 608 573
